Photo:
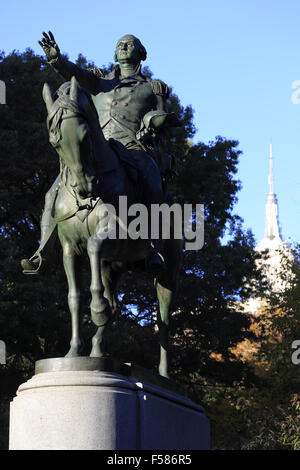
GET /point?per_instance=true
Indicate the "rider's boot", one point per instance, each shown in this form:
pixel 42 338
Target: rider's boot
pixel 37 263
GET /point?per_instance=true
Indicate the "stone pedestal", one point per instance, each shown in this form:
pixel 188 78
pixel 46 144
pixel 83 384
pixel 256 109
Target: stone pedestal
pixel 63 409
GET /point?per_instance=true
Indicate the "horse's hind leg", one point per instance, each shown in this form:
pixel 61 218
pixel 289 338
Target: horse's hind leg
pixel 72 264
pixel 165 297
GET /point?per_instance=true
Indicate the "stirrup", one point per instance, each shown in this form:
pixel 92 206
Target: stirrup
pixel 36 270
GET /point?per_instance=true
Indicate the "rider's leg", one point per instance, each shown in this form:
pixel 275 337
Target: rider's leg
pixel 48 235
pixel 153 194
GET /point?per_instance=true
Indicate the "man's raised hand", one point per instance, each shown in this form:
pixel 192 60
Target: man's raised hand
pixel 49 46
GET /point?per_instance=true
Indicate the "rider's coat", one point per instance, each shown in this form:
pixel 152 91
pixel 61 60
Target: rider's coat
pixel 121 103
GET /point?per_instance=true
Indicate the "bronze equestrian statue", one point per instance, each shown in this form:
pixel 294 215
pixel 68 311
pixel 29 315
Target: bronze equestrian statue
pixel 107 129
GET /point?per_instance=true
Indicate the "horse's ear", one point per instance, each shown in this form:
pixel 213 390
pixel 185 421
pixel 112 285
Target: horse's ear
pixel 74 89
pixel 47 96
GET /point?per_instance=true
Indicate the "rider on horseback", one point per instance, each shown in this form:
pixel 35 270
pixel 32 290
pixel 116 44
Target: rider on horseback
pixel 132 111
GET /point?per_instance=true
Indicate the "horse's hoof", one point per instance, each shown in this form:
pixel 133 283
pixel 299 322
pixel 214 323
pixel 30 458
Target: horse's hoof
pixel 73 352
pixel 163 372
pixel 96 353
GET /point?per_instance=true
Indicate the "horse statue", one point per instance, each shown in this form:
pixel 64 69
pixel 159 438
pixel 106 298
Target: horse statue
pixel 91 178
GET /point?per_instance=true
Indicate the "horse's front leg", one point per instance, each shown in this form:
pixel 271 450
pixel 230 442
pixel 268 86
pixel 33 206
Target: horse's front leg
pixel 100 308
pixel 110 279
pixel 72 264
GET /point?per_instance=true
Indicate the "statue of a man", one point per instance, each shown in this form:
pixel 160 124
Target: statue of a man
pixel 131 110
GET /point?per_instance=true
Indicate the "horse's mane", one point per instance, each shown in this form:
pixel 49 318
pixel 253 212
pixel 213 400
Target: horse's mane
pixel 63 101
pixel 64 91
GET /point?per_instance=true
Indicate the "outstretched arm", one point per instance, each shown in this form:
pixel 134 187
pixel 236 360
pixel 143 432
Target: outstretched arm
pixel 66 68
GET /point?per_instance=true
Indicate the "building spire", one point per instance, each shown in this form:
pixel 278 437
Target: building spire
pixel 272 231
pixel 271 179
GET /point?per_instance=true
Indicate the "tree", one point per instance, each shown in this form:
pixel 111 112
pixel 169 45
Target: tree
pixel 34 318
pixel 207 321
pixel 38 324
pixel 264 414
pixel 278 327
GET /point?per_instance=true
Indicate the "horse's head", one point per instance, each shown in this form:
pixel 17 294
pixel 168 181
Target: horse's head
pixel 71 114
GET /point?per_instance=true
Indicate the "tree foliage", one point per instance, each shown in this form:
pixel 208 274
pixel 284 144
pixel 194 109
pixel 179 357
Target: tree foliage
pixel 34 319
pixel 264 414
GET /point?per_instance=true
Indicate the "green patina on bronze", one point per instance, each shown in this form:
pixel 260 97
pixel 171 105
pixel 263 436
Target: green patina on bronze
pixel 107 128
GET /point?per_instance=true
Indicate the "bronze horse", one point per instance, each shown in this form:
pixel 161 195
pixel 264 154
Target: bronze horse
pixel 91 178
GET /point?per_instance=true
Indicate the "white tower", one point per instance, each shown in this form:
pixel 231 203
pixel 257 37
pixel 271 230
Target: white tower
pixel 273 242
pixel 272 239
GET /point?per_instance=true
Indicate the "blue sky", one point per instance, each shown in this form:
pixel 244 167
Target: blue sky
pixel 233 61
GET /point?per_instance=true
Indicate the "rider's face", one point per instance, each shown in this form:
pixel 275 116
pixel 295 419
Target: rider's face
pixel 127 50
